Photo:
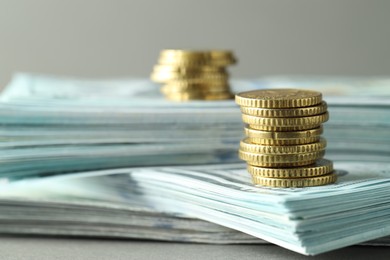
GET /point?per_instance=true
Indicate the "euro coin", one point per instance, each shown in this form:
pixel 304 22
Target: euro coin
pixel 283 128
pixel 188 69
pixel 280 160
pixel 222 55
pixel 189 57
pixel 279 98
pixel 285 121
pixel 247 146
pixel 286 112
pixel 253 133
pixel 199 82
pixel 167 77
pixel 218 96
pixel 186 96
pixel 263 141
pixel 170 88
pixel 175 54
pixel 320 167
pixel 280 164
pixel 194 74
pixel 295 183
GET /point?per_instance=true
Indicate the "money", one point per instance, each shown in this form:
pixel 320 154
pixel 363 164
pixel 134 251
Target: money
pixel 63 207
pixel 280 160
pixel 283 128
pixel 273 118
pixel 279 98
pixel 257 122
pixel 80 126
pixel 194 75
pixel 218 87
pixel 219 58
pixel 283 138
pixel 285 112
pixel 308 220
pixel 247 146
pixel 320 167
pixel 111 204
pixel 295 182
pixel 48 131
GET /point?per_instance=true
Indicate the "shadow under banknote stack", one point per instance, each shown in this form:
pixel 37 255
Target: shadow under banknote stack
pixel 194 75
pixel 283 147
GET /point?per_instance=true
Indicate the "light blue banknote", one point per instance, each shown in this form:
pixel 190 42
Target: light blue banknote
pixel 309 220
pixel 53 125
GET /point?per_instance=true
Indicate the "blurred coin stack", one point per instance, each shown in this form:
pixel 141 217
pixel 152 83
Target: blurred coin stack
pixel 194 75
pixel 283 146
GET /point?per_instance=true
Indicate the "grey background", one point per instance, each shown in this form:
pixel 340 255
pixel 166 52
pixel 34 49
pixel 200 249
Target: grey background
pixel 20 248
pixel 96 38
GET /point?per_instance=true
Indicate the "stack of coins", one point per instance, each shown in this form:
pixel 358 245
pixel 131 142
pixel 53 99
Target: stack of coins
pixel 194 75
pixel 283 146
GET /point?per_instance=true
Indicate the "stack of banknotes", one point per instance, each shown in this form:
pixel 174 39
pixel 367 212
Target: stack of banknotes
pixel 79 128
pixel 73 205
pixel 52 125
pixel 161 203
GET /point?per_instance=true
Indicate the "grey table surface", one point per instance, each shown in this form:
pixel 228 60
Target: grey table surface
pixel 18 247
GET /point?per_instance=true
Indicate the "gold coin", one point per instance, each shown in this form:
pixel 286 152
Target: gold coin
pixel 222 62
pixel 196 62
pixel 199 82
pixel 286 112
pixel 279 98
pixel 295 183
pixel 285 121
pixel 188 69
pixel 297 141
pixel 216 54
pixel 222 54
pixel 181 52
pixel 218 96
pixel 169 88
pixel 281 165
pixel 247 146
pixel 199 96
pixel 280 160
pixel 184 61
pixel 185 96
pixel 189 57
pixel 167 77
pixel 281 129
pixel 320 167
pixel 186 54
pixel 253 133
pixel 194 92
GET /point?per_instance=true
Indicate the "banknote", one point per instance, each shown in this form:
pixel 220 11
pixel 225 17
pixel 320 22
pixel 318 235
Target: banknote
pixel 309 221
pixel 53 125
pixel 60 206
pixel 105 219
pixel 99 136
pixel 29 87
pixel 160 203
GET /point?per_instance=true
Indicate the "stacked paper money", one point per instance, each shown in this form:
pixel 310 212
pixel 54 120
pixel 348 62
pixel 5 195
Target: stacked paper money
pixel 52 125
pixel 64 126
pixel 76 205
pixel 108 204
pixel 309 220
